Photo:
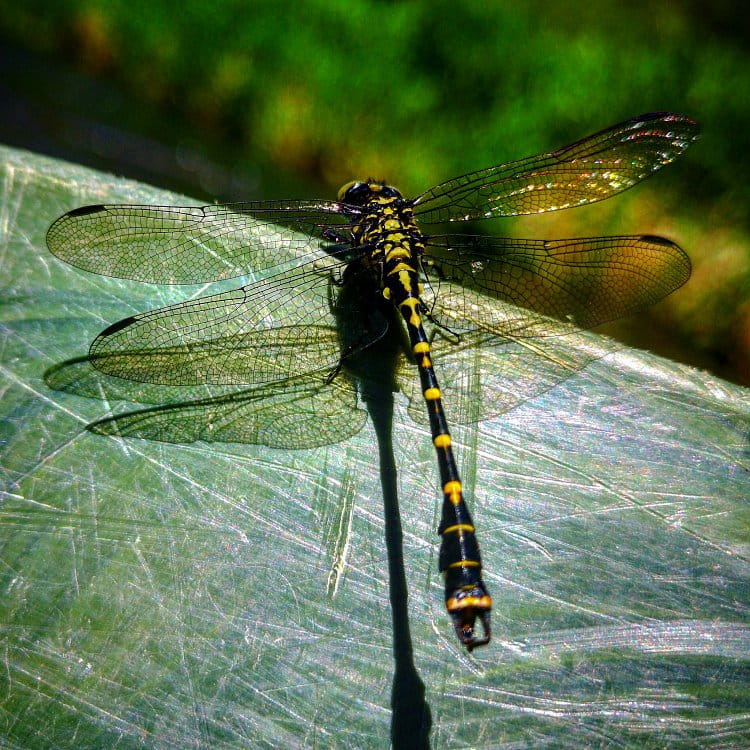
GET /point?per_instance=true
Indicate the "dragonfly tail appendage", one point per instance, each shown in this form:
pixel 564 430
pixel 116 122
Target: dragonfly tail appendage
pixel 466 596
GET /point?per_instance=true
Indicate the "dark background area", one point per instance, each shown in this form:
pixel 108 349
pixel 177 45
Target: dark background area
pixel 236 101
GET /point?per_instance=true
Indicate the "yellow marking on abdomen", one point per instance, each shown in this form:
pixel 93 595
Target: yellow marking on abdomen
pixel 432 394
pixel 399 268
pixel 480 602
pixel 422 348
pixel 453 490
pixel 442 441
pixel 396 251
pixel 415 319
pixel 404 278
pixel 460 527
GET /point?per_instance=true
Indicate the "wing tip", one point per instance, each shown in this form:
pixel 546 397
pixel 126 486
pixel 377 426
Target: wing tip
pixel 106 426
pixel 689 130
pixel 678 259
pixel 53 241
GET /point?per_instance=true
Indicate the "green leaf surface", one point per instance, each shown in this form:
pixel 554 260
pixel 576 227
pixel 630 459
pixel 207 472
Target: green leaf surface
pixel 229 594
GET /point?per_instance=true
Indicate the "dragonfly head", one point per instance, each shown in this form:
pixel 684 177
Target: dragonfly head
pixel 464 607
pixel 358 193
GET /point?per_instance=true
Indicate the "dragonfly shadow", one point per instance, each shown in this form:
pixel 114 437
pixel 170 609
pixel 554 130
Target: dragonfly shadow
pixel 411 717
pixel 375 370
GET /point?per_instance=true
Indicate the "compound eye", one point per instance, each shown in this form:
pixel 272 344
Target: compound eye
pixel 344 189
pixel 355 192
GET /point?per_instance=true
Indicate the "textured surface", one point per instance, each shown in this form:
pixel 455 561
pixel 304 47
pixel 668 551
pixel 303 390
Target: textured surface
pixel 213 595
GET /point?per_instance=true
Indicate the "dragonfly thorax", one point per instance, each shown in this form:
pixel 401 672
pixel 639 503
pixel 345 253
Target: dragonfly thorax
pixel 385 230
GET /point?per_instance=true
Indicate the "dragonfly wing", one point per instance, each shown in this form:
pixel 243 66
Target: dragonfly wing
pixel 587 171
pixel 303 413
pixel 191 244
pixel 514 287
pixel 79 376
pixel 260 333
pixel 483 376
pixel 509 312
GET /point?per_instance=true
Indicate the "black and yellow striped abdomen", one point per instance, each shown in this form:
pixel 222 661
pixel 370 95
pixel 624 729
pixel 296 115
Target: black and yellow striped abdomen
pixel 392 245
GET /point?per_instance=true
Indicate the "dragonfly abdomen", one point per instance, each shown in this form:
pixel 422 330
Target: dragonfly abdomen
pixel 466 598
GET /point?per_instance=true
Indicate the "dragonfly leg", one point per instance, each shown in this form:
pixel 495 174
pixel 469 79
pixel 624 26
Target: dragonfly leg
pixel 334 371
pixel 338 238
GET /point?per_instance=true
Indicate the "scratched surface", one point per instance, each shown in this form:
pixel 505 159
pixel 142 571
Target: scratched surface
pixel 225 594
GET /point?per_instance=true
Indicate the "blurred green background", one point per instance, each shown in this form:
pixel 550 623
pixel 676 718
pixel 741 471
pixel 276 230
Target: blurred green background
pixel 241 100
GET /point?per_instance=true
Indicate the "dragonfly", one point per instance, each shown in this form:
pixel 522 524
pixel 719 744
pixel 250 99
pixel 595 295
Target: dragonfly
pixel 441 293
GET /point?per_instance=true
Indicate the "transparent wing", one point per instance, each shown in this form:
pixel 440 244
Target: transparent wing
pixel 589 170
pixel 509 312
pixel 296 414
pixel 482 376
pixel 186 245
pixel 304 412
pixel 581 282
pixel 260 333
